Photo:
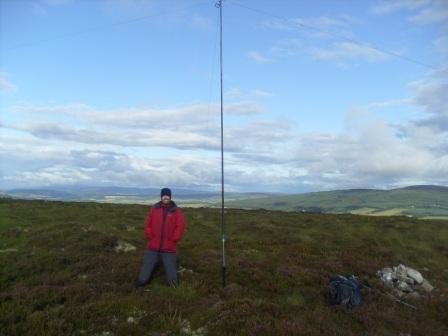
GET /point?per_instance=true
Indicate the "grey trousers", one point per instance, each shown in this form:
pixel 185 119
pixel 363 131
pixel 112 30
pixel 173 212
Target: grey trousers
pixel 150 260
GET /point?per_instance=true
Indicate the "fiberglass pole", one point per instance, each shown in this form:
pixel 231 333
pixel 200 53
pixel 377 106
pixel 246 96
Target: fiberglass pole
pixel 223 237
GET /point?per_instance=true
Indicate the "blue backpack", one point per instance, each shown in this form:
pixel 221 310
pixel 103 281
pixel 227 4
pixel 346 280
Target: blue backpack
pixel 345 291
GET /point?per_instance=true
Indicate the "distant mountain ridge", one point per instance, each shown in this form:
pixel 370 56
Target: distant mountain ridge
pixel 423 201
pixel 112 194
pixel 425 188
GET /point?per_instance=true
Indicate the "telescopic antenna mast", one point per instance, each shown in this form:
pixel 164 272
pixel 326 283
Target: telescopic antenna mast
pixel 223 237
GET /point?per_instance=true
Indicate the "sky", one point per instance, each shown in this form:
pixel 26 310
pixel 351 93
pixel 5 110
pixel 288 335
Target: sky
pixel 318 95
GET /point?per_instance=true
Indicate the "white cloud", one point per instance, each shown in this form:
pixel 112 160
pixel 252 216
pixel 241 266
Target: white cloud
pixel 431 15
pixel 5 85
pixel 200 21
pixel 102 149
pixel 192 127
pixel 140 146
pixel 431 95
pixel 314 35
pixel 372 156
pixel 40 111
pixel 441 44
pixel 261 136
pixel 388 7
pixel 50 176
pixel 260 155
pixel 390 103
pixel 115 168
pixel 425 11
pixel 258 57
pixel 188 126
pixel 194 114
pixel 260 93
pixel 371 152
pixel 322 26
pixel 288 47
pixel 271 155
pixel 233 92
pixel 154 138
pixel 343 51
pixel 324 38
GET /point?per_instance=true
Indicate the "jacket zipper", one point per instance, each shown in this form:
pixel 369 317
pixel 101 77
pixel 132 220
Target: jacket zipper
pixel 162 234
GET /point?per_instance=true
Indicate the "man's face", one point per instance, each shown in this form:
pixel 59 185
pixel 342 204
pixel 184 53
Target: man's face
pixel 166 199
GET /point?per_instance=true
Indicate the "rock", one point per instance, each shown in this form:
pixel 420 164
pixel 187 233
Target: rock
pixel 200 331
pixel 124 247
pixel 404 287
pixel 186 327
pixel 187 330
pixel 386 270
pixel 183 270
pixel 416 275
pixel 406 282
pixel 426 286
pixel 409 281
pixel 413 296
pixel 136 315
pixel 401 272
pixel 387 276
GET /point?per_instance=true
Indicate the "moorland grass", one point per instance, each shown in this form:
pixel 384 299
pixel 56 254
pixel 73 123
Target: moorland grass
pixel 60 274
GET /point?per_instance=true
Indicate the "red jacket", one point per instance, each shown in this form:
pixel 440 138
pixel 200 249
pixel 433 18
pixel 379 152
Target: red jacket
pixel 164 227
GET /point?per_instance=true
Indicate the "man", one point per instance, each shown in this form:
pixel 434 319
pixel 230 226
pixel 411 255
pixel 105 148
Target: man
pixel 164 228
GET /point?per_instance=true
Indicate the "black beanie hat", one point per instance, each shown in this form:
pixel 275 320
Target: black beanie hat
pixel 165 192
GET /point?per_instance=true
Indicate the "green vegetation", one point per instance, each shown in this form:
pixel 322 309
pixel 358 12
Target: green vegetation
pixel 409 202
pixel 60 274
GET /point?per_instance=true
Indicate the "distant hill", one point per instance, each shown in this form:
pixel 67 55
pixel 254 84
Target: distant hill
pixel 426 188
pixel 76 193
pixel 128 195
pixel 419 201
pixel 423 201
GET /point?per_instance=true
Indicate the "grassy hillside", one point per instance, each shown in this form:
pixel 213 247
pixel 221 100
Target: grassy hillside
pixel 412 202
pixel 60 274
